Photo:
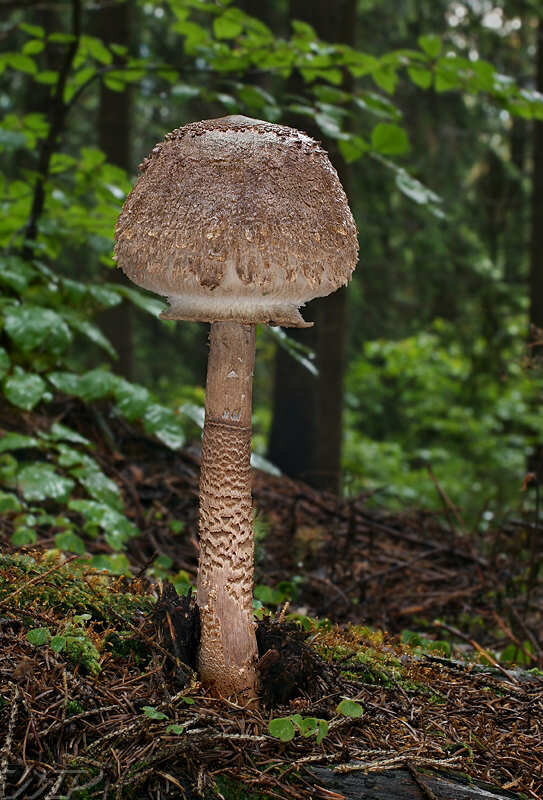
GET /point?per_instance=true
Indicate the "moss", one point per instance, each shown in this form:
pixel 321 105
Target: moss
pixel 536 672
pixel 87 605
pixel 73 708
pixel 232 790
pixel 66 588
pixel 82 652
pixel 362 656
pixel 125 646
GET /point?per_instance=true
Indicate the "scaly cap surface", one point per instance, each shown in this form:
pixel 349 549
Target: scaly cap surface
pixel 237 218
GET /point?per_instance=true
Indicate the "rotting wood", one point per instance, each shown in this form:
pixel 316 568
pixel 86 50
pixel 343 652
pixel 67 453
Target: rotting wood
pixel 401 784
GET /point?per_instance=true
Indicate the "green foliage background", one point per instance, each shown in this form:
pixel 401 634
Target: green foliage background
pixel 437 309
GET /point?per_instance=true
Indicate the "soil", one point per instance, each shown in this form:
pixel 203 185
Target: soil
pixel 340 559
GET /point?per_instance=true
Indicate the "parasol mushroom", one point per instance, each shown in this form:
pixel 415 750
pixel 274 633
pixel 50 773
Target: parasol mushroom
pixel 236 221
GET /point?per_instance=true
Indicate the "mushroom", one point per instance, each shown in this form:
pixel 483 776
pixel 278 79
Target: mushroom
pixel 236 221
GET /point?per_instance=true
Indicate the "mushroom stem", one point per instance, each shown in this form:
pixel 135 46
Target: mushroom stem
pixel 228 650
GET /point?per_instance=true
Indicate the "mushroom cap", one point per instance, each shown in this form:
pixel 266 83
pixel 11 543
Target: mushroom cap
pixel 237 219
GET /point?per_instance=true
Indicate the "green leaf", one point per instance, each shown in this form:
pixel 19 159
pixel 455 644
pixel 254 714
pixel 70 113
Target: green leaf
pixel 144 301
pixel 9 503
pixel 70 457
pixel 152 713
pixel 24 536
pixel 99 486
pixel 60 162
pixel 353 148
pixel 24 389
pixel 178 729
pixel 304 30
pixel 449 74
pixel 331 95
pixel 76 291
pixel 57 643
pixel 361 64
pixel 41 481
pixel 262 463
pixel 386 78
pixel 255 97
pixel 378 105
pixel 94 385
pixel 330 126
pixel 419 193
pixel 300 352
pixel 282 728
pixel 162 423
pixel 92 333
pixel 115 524
pixel 117 564
pixel 132 400
pixel 96 48
pixel 322 730
pixel 90 158
pixel 37 636
pixel 16 441
pixel 195 34
pixel 107 295
pixel 420 76
pixel 31 327
pixel 4 362
pixel 349 708
pixel 84 75
pixel 62 38
pixel 71 542
pixel 32 30
pixel 115 81
pixel 228 25
pixel 389 139
pixel 194 412
pixel 22 63
pixel 47 76
pixel 431 44
pixel 33 47
pixel 62 433
pixel 185 92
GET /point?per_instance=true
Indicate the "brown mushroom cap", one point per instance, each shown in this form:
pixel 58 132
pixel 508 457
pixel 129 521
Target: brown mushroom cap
pixel 236 218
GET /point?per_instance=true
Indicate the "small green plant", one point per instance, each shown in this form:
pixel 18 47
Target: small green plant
pixel 349 708
pixel 152 713
pixel 79 647
pixel 285 728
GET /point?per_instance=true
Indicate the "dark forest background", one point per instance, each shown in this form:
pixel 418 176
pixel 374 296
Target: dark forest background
pixel 417 380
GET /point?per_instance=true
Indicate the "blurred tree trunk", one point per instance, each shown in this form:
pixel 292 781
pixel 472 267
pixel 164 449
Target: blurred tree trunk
pixel 305 440
pixel 114 140
pixel 535 461
pixel 536 253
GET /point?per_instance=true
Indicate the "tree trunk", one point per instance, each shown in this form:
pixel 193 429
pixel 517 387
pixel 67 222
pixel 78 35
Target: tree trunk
pixel 306 409
pixel 114 140
pixel 228 650
pixel 535 460
pixel 536 253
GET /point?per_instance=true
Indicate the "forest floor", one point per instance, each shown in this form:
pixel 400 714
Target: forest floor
pixel 416 575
